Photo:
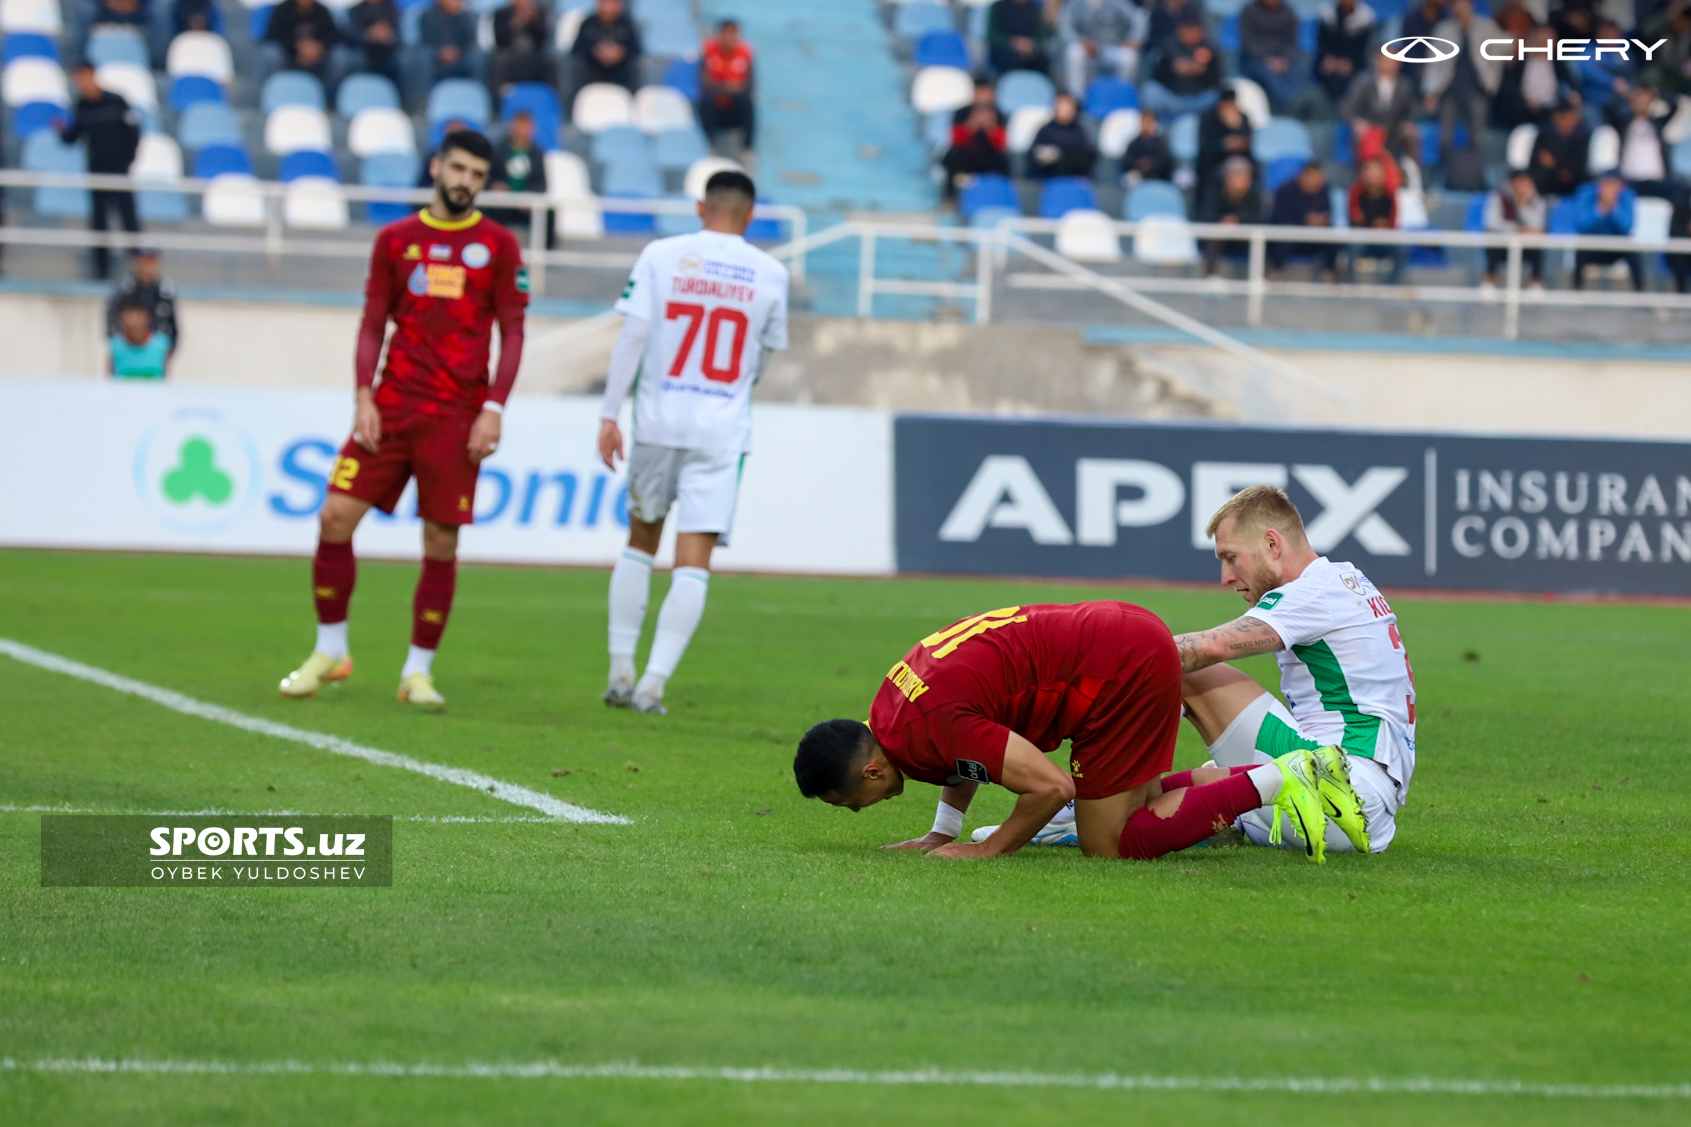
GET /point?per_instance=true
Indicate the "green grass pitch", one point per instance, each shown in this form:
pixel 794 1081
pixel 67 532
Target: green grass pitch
pixel 1529 924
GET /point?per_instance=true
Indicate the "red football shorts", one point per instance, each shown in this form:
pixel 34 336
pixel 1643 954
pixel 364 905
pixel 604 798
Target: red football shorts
pixel 435 449
pixel 1127 738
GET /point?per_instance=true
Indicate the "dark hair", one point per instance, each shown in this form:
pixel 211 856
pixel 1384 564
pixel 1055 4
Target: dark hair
pixel 133 302
pixel 727 23
pixel 469 141
pixel 730 180
pixel 826 755
pixel 83 64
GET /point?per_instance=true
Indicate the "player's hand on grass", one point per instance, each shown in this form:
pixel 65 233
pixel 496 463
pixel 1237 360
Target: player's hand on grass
pixel 610 443
pixel 484 435
pixel 367 422
pixel 963 851
pixel 928 841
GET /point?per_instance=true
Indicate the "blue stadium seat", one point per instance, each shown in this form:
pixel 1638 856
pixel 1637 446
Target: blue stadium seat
pixel 364 92
pixel 624 223
pixel 1282 137
pixel 215 160
pixel 989 217
pixel 258 22
pixel 191 88
pixel 667 38
pixel 541 102
pixel 1228 38
pixel 44 152
pixel 461 98
pixel 632 176
pixel 1154 197
pixel 28 45
pixel 683 75
pixel 291 88
pixel 1680 157
pixel 33 117
pixel 619 143
pixel 916 18
pixel 1562 218
pixel 305 162
pixel 1281 169
pixel 208 123
pixel 1022 88
pixel 990 190
pixel 936 130
pixel 388 170
pixel 1429 155
pixel 1065 194
pixel 943 48
pixel 1344 143
pixel 675 150
pixel 1183 138
pixel 1108 94
pixel 679 224
pixel 1473 216
pixel 115 45
pixel 1307 30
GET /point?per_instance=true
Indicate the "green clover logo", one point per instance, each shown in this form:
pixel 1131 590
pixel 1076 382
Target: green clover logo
pixel 196 473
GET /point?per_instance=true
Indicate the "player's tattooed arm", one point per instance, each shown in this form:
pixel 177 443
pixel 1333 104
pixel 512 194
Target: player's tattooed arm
pixel 1241 638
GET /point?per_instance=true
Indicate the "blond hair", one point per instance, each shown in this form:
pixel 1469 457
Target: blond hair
pixel 1258 509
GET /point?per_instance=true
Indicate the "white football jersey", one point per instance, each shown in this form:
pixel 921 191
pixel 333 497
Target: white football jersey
pixel 1345 672
pixel 713 303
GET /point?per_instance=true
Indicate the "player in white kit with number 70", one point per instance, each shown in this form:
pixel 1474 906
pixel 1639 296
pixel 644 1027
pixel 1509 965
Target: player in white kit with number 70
pixel 701 313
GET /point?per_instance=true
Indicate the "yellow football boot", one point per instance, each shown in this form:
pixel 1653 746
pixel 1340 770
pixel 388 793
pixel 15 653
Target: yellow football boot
pixel 418 689
pixel 319 669
pixel 1300 803
pixel 1338 797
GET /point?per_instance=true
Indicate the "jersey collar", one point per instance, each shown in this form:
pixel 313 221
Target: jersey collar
pixel 469 220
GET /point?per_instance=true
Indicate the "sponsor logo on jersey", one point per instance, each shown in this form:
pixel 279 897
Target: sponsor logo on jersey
pixel 974 772
pixel 1270 600
pixel 413 252
pixel 522 279
pixel 476 255
pixel 730 272
pixel 904 679
pixel 438 281
pixel 690 264
pixel 1350 580
pixel 628 289
pixel 439 252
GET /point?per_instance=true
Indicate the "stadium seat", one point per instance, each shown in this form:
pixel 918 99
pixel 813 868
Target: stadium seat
pixel 159 160
pixel 457 99
pixel 943 47
pixel 292 128
pixel 1154 197
pixel 990 190
pixel 308 162
pixel 1338 201
pixel 600 105
pixel 619 143
pixel 134 82
pixel 683 75
pixel 657 108
pixel 1183 138
pixel 990 217
pixel 1107 95
pixel 685 223
pixel 29 45
pixel 1344 143
pixel 365 92
pixel 192 88
pixel 388 170
pixel 939 89
pixel 1473 214
pixel 1429 154
pixel 378 129
pixel 566 176
pixel 1282 137
pixel 315 203
pixel 675 150
pixel 1518 152
pixel 1680 157
pixel 936 130
pixel 221 160
pixel 1117 132
pixel 693 185
pixel 1024 124
pixel 629 223
pixel 575 210
pixel 291 88
pixel 666 35
pixel 1227 35
pixel 34 116
pixel 208 123
pixel 1253 102
pixel 233 199
pixel 258 20
pixel 44 152
pixel 915 18
pixel 1087 235
pixel 568 27
pixel 1281 169
pixel 1652 220
pixel 34 80
pixel 1021 89
pixel 109 45
pixel 1165 240
pixel 541 102
pixel 1605 150
pixel 632 177
pixel 201 53
pixel 41 17
pixel 1064 194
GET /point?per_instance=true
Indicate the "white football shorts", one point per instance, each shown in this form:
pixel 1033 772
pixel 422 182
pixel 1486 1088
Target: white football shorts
pixel 702 485
pixel 1237 746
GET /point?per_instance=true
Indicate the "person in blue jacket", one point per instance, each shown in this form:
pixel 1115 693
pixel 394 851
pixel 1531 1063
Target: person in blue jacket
pixel 1605 206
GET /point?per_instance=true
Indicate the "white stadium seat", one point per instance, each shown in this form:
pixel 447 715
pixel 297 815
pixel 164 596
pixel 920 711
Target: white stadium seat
pixel 292 129
pixel 1085 235
pixel 699 174
pixel 578 219
pixel 1518 152
pixel 1165 240
pixel 158 157
pixel 657 108
pixel 34 80
pixel 567 177
pixel 1605 151
pixel 38 17
pixel 204 53
pixel 575 210
pixel 600 105
pixel 1118 130
pixel 569 25
pixel 1652 219
pixel 233 199
pixel 135 83
pixel 1024 124
pixel 1253 102
pixel 381 130
pixel 941 88
pixel 316 203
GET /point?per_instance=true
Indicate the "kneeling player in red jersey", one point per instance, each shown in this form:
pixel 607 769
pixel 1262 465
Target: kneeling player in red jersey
pixel 443 276
pixel 983 700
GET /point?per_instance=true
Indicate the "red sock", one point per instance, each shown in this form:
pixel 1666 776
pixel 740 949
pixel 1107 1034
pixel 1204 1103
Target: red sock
pixel 1180 779
pixel 433 602
pixel 1203 811
pixel 333 572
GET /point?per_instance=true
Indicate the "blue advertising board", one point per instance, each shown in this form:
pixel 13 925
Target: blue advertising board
pixel 1112 499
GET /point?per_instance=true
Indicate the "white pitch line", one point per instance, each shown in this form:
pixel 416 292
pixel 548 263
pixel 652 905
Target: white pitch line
pixel 926 1077
pixel 188 706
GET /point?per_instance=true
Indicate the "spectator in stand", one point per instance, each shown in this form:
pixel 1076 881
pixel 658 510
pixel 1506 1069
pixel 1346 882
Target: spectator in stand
pixel 1417 23
pixel 1164 24
pixel 977 149
pixel 1640 119
pixel 375 32
pixel 1016 34
pixel 608 47
pixel 1530 89
pixel 1680 228
pixel 447 31
pixel 120 13
pixel 725 85
pixel 1605 207
pixel 1516 208
pixel 1461 88
pixel 1604 78
pixel 986 97
pixel 1099 34
pixel 1559 155
pixel 1062 146
pixel 103 120
pixel 1382 98
pixel 1148 156
pixel 1669 68
pixel 1268 51
pixel 193 15
pixel 138 350
pixel 1304 201
pixel 1231 198
pixel 1342 42
pixel 1224 132
pixel 302 36
pixel 145 287
pixel 1513 17
pixel 522 47
pixel 519 165
pixel 1373 205
pixel 1188 75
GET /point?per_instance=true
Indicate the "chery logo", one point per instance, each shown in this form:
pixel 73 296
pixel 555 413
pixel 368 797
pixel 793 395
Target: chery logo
pixel 1420 49
pixel 1430 49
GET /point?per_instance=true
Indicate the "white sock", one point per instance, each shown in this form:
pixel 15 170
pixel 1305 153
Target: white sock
pixel 622 669
pixel 417 660
pixel 650 687
pixel 677 619
pixel 1268 781
pixel 631 584
pixel 331 638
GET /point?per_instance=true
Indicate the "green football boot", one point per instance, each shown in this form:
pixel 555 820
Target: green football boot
pixel 1300 803
pixel 1338 797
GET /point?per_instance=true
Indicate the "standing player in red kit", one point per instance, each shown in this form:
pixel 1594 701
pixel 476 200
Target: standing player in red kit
pixel 443 276
pixel 985 699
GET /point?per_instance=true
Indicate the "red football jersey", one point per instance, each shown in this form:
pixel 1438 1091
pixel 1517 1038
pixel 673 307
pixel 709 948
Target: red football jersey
pixel 945 713
pixel 443 285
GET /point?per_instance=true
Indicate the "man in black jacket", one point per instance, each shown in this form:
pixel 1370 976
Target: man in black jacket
pixel 375 32
pixel 1559 155
pixel 146 288
pixel 1223 132
pixel 1303 201
pixel 1148 157
pixel 112 132
pixel 607 48
pixel 1231 198
pixel 302 36
pixel 1062 147
pixel 522 46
